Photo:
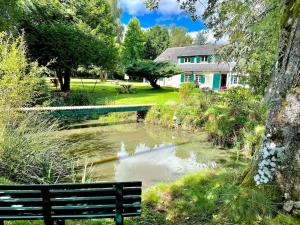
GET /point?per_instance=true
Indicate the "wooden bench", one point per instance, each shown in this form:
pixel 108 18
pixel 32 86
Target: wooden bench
pixel 58 202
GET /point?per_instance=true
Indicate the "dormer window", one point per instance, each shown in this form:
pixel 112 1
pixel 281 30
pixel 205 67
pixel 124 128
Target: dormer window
pixel 187 59
pixel 205 58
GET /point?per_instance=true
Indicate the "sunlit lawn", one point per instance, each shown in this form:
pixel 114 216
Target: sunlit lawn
pixel 105 93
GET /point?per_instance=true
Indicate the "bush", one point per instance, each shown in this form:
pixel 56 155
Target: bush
pixel 162 115
pixel 186 89
pixel 74 98
pixel 236 112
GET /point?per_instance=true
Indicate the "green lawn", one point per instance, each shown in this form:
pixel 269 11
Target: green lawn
pixel 105 93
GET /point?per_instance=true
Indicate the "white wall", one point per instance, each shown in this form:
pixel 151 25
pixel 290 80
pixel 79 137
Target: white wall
pixel 173 81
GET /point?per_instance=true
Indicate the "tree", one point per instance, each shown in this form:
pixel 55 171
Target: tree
pixel 278 158
pixel 9 12
pixel 116 13
pixel 151 70
pixel 83 36
pixel 200 39
pixel 157 40
pixel 133 46
pixel 179 37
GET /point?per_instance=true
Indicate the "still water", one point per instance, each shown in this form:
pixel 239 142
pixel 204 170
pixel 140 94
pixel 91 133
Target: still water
pixel 138 152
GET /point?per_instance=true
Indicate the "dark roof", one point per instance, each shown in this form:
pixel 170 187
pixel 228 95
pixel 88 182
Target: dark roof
pixel 172 54
pixel 205 67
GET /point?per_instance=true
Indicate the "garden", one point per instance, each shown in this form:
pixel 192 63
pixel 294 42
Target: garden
pixel 204 157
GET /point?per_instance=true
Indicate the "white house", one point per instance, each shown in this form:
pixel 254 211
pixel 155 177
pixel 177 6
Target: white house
pixel 199 66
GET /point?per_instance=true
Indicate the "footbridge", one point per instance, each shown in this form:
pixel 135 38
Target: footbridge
pixel 78 111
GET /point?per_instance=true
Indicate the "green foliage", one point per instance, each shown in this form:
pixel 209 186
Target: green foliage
pixel 151 70
pixel 237 110
pixel 19 79
pixel 70 34
pixel 9 13
pixel 157 40
pixel 186 90
pixel 253 33
pixel 179 37
pixel 162 115
pixel 133 45
pixel 206 198
pixel 73 98
pixel 30 152
pixel 200 39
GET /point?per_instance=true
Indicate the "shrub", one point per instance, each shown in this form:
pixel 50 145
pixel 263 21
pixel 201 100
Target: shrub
pixel 186 89
pixel 161 115
pixel 74 98
pixel 18 77
pixel 237 111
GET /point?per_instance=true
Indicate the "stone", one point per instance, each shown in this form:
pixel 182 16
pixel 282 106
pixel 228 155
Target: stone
pixel 288 206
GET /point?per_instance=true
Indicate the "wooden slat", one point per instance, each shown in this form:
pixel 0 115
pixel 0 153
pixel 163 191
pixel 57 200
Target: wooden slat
pixel 21 217
pixel 82 193
pixel 83 200
pixel 69 186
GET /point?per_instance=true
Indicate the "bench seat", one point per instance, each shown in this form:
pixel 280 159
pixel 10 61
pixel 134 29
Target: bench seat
pixel 58 202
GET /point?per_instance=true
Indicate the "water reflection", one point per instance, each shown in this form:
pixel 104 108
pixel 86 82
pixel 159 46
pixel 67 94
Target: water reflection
pixel 155 165
pixel 139 152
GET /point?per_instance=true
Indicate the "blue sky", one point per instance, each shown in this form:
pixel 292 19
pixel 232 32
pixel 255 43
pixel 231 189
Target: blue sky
pixel 167 14
pixel 155 18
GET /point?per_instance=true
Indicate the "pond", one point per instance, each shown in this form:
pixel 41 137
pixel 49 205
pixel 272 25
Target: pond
pixel 139 152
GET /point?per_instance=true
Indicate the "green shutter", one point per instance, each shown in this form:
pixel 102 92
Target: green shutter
pixel 181 60
pixel 198 59
pixel 161 78
pixel 202 79
pixel 210 58
pixel 192 59
pixel 182 78
pixel 243 80
pixel 192 78
pixel 216 81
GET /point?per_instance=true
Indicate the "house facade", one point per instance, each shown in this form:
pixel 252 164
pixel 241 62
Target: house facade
pixel 198 65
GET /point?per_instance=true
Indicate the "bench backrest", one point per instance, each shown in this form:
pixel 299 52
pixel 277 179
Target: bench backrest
pixel 70 201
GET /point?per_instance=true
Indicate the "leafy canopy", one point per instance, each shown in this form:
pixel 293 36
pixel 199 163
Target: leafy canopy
pixel 72 33
pixel 133 45
pixel 179 37
pixel 151 70
pixel 157 40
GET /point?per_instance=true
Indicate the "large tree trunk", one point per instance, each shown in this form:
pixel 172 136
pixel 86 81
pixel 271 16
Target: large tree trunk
pixel 64 79
pixel 283 124
pixel 154 84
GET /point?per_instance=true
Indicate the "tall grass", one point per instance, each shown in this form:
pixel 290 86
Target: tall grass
pixel 31 152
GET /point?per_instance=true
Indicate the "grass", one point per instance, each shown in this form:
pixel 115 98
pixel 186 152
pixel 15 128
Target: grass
pixel 105 93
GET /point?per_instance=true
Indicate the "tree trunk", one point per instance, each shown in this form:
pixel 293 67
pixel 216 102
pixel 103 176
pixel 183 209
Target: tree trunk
pixel 154 84
pixel 64 79
pixel 282 133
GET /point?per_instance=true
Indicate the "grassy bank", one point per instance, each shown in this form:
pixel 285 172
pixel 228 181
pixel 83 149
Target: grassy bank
pixel 105 93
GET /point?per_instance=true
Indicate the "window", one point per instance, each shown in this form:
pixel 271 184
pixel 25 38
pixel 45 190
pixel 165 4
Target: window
pixel 234 79
pixel 204 58
pixel 187 59
pixel 197 78
pixel 187 78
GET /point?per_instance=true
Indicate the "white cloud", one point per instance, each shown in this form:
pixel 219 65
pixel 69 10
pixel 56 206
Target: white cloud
pixel 210 37
pixel 137 7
